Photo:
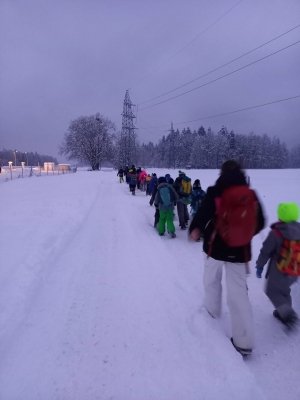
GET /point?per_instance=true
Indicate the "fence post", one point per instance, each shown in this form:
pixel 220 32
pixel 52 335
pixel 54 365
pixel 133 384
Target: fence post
pixel 22 165
pixel 10 168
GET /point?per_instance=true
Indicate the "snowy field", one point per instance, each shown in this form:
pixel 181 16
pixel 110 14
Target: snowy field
pixel 95 305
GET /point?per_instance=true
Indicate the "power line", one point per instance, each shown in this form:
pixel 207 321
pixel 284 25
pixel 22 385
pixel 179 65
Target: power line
pixel 222 66
pixel 221 77
pixel 196 37
pixel 232 112
pixel 240 109
pixel 206 29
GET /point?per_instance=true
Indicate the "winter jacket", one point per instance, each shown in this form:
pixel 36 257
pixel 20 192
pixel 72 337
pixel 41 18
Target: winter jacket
pixel 153 184
pixel 142 176
pixel 158 201
pixel 132 178
pixel 196 198
pixel 178 186
pixel 204 220
pixel 272 244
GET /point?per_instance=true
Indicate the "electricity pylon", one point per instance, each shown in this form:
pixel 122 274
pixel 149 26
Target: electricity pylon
pixel 128 148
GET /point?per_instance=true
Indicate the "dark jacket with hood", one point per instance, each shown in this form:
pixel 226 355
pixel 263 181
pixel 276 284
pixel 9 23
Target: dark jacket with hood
pixel 204 220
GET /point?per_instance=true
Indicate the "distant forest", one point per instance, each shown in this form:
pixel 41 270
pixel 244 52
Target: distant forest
pixel 197 149
pixel 29 158
pixel 205 149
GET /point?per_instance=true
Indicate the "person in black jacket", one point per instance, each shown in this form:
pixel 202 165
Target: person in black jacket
pixel 154 182
pixel 120 174
pixel 234 259
pixel 183 201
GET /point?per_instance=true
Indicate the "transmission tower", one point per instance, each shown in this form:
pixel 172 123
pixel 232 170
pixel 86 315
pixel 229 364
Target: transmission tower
pixel 128 136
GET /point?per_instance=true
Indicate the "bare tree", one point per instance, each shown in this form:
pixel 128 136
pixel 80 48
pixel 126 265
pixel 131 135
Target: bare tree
pixel 89 140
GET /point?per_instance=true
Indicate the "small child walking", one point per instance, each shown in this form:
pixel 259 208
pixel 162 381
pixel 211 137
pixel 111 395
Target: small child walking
pixel 197 196
pixel 281 250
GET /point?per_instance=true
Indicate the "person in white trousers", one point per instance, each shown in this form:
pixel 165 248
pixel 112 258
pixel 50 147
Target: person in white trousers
pixel 240 311
pixel 220 256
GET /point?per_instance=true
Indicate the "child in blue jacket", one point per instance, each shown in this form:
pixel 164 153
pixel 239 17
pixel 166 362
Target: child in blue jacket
pixel 197 196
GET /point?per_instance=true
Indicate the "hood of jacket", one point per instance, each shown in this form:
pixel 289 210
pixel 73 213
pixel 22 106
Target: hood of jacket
pixel 164 184
pixel 290 230
pixel 235 178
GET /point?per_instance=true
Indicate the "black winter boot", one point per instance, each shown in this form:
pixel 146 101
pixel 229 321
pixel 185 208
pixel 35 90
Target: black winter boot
pixel 291 321
pixel 243 352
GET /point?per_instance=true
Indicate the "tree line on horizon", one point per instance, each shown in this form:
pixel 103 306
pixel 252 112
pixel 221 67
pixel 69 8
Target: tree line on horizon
pixel 93 140
pixel 202 149
pixel 29 158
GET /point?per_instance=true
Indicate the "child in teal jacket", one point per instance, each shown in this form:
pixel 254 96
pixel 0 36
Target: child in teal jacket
pixel 165 199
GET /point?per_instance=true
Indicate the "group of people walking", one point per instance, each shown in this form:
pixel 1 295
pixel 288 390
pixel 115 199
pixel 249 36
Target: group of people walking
pixel 226 218
pixel 134 177
pixel 168 194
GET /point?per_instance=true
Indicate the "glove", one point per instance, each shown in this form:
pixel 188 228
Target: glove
pixel 259 271
pixel 195 235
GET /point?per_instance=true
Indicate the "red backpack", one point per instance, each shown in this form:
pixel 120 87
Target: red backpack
pixel 236 215
pixel 288 261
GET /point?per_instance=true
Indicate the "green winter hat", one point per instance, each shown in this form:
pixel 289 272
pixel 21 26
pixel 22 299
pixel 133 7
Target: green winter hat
pixel 288 212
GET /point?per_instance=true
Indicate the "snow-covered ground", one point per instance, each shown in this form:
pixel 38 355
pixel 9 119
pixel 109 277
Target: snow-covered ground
pixel 95 305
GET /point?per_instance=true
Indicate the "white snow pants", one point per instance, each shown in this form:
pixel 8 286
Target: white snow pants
pixel 237 298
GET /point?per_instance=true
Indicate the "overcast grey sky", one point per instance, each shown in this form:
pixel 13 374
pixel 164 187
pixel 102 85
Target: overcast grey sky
pixel 61 59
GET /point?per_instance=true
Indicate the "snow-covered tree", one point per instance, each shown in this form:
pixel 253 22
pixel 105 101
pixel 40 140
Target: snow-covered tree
pixel 89 139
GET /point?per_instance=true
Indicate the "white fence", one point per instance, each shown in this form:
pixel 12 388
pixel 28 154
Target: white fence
pixel 10 173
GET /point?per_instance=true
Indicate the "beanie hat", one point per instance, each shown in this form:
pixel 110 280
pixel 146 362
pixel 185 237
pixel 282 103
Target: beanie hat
pixel 161 179
pixel 288 212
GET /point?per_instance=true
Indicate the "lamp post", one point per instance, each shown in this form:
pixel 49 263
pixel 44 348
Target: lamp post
pixel 15 154
pixel 10 168
pixel 26 158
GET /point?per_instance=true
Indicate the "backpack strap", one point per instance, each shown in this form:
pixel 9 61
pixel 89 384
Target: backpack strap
pixel 276 231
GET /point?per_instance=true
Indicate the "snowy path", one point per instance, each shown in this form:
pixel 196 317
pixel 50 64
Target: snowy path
pixel 105 308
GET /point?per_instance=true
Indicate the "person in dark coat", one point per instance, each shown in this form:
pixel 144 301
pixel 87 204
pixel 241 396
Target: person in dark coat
pixel 183 201
pixel 120 174
pixel 234 259
pixel 132 175
pixel 154 182
pixel 169 179
pixel 196 197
